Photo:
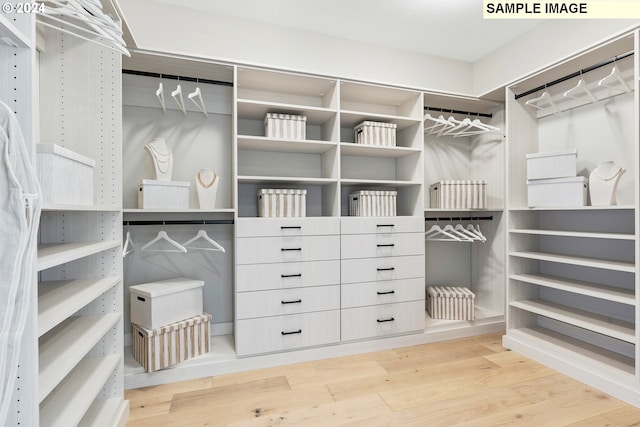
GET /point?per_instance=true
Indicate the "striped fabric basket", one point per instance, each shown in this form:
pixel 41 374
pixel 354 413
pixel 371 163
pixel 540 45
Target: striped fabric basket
pixel 372 203
pixel 450 303
pixel 459 194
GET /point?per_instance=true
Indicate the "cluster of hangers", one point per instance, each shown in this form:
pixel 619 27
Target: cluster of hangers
pixel 581 90
pixel 455 233
pixel 84 19
pixel 195 97
pixel 441 126
pixel 201 241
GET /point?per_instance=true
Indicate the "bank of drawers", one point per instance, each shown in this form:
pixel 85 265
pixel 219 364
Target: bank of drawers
pixel 287 284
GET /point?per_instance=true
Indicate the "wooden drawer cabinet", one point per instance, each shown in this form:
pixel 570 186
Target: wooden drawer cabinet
pixel 382 320
pixel 377 269
pixel 382 225
pixel 256 250
pixel 271 334
pixel 256 277
pixel 264 227
pixel 287 301
pixel 381 245
pixel 383 292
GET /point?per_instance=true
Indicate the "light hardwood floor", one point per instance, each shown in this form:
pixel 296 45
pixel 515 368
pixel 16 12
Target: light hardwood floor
pixel 467 382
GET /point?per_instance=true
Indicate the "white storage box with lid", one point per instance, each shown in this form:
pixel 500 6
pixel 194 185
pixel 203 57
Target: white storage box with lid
pixel 65 176
pixel 286 126
pixel 551 164
pixel 164 302
pixel 557 192
pixel 459 194
pixel 282 203
pixel 372 203
pixel 155 194
pixel 162 347
pixel 450 303
pixel 376 133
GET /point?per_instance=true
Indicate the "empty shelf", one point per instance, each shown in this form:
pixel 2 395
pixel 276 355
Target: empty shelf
pixel 577 260
pixel 623 296
pixel 64 347
pixel 583 319
pixel 50 255
pixel 261 143
pixel 351 149
pixel 58 300
pixel 68 403
pixel 591 235
pixel 103 412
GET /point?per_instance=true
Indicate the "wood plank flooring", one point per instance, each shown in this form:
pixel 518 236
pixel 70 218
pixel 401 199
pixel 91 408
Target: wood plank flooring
pixel 466 382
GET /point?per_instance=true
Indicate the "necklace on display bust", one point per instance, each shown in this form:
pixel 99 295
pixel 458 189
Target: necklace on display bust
pixel 205 185
pixel 161 154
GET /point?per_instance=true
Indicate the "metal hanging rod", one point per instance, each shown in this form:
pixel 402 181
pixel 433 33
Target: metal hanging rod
pixel 448 110
pixel 180 222
pixel 174 77
pixel 577 73
pixel 460 218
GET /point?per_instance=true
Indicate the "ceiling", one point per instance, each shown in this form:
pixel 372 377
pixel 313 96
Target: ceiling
pixel 452 29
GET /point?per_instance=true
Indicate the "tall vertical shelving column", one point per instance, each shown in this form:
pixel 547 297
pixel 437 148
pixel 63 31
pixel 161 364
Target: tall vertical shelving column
pixel 572 289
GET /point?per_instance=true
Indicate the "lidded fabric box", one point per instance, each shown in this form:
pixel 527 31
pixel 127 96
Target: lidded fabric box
pixel 551 164
pixel 65 176
pixel 282 203
pixel 155 194
pixel 372 203
pixel 376 133
pixel 557 192
pixel 287 126
pixel 459 194
pixel 450 303
pixel 161 303
pixel 162 347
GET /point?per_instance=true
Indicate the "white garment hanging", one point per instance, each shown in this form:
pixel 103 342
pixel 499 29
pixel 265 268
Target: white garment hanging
pixel 20 212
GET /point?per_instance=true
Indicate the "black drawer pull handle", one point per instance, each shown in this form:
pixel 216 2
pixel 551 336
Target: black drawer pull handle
pixel 298 301
pixel 387 245
pixel 391 319
pixel 291 275
pixel 299 331
pixel 291 227
pixel 141 299
pixel 386 269
pixel 290 249
pixel 386 292
pixel 385 225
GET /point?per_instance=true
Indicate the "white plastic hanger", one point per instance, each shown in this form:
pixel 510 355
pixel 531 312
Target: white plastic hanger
pixel 439 122
pixel 196 98
pixel 580 87
pixel 177 95
pixel 128 245
pixel 614 75
pixel 202 234
pixel 476 230
pixel 163 236
pixel 461 236
pixel 475 127
pixel 160 95
pixel 457 125
pixel 471 235
pixel 439 234
pixel 540 102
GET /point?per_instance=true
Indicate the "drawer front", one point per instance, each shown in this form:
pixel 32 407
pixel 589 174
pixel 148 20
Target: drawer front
pixel 385 292
pixel 287 301
pixel 262 227
pixel 271 334
pixel 382 320
pixel 381 269
pixel 382 225
pixel 257 277
pixel 381 245
pixel 256 250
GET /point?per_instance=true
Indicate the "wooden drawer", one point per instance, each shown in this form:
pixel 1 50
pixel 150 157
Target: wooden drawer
pixel 385 292
pixel 270 334
pixel 287 301
pixel 255 250
pixel 382 320
pixel 382 225
pixel 381 245
pixel 262 227
pixel 378 269
pixel 282 275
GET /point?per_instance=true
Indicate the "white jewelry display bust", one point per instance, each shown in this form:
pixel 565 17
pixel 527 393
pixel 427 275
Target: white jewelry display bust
pixel 207 185
pixel 162 158
pixel 603 183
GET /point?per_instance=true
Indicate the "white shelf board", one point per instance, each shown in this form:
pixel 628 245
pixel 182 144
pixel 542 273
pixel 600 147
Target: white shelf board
pixel 350 119
pixel 351 149
pixel 609 293
pixel 257 110
pixel 71 208
pixel 58 300
pixel 575 260
pixel 583 319
pixel 591 235
pixel 286 179
pixel 104 413
pixel 479 211
pixel 68 403
pixel 62 349
pixel 50 255
pixel 379 182
pixel 306 146
pixel 196 211
pixel 577 208
pixel 8 30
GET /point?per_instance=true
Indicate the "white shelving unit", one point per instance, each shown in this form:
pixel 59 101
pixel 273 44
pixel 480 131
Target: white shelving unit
pixel 572 286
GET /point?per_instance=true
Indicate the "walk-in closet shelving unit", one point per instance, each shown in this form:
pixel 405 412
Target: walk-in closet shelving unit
pixel 572 272
pixel 79 327
pixel 478 266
